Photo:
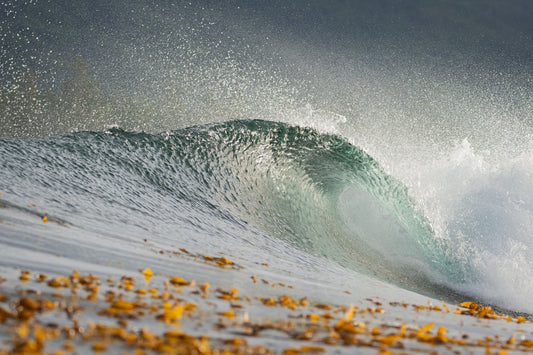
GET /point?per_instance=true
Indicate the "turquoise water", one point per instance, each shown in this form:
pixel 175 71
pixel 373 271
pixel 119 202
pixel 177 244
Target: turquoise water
pixel 250 180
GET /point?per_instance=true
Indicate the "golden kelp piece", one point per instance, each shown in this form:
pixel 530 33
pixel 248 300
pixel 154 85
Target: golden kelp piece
pixel 313 317
pixel 204 288
pixel 348 315
pixel 178 281
pixel 305 349
pixel 59 281
pixel 171 312
pixel 127 282
pixel 122 305
pixel 219 261
pixel 527 343
pixel 24 275
pixel 122 308
pixel 477 310
pixel 228 295
pixel 228 314
pixel 284 301
pixel 224 261
pixel 389 339
pixel 27 347
pixel 99 347
pixel 147 273
pixel 349 327
pixel 4 315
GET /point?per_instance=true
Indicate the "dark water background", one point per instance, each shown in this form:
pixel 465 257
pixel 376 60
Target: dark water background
pixel 154 66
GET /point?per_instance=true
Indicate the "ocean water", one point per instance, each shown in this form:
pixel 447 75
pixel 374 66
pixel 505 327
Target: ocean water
pixel 384 148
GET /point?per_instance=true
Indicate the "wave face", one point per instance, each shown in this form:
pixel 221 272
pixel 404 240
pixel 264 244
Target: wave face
pixel 314 191
pixel 241 180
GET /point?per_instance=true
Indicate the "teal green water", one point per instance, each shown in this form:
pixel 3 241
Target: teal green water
pixel 314 191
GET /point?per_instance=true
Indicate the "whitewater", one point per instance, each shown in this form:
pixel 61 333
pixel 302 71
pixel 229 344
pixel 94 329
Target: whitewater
pixel 342 154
